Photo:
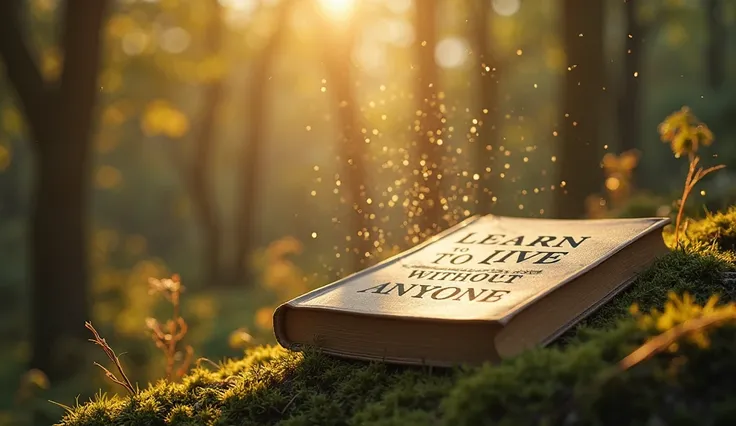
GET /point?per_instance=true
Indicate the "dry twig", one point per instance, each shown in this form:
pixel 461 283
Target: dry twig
pixel 168 335
pixel 101 342
pixel 694 174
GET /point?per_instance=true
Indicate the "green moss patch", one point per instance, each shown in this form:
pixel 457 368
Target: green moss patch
pixel 562 384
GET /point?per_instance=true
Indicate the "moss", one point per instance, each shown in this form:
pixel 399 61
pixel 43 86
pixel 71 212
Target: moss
pixel 718 229
pixel 554 385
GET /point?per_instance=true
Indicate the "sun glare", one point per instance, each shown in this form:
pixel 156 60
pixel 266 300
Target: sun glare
pixel 337 9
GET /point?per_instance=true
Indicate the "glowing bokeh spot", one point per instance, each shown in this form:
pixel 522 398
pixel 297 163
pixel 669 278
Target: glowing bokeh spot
pixel 612 183
pixel 175 40
pixel 506 7
pixel 134 42
pixel 451 52
pixel 337 9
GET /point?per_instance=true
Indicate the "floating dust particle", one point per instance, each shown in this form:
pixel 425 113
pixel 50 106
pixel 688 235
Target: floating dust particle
pixel 519 52
pixel 314 235
pixel 308 128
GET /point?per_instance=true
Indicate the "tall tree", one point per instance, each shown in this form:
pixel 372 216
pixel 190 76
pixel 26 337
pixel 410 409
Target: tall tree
pixel 200 177
pixel 582 97
pixel 487 140
pixel 628 111
pixel 59 115
pixel 351 145
pixel 716 51
pixel 427 83
pixel 252 149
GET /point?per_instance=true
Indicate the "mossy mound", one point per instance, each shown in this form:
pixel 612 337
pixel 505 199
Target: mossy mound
pixel 718 229
pixel 568 383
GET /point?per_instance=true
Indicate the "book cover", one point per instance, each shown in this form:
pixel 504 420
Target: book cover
pixel 486 269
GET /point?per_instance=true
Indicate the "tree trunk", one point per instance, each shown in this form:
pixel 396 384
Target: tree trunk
pixel 351 145
pixel 201 191
pixel 629 115
pixel 252 150
pixel 429 151
pixel 582 96
pixel 487 140
pixel 716 51
pixel 59 217
pixel 58 257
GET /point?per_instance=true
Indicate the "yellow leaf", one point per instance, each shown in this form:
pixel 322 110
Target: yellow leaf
pixel 161 118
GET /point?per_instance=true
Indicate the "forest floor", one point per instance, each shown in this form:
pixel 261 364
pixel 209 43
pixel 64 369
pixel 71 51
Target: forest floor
pixel 685 375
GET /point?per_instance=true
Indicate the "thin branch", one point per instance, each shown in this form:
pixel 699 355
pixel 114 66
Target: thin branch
pixel 98 340
pixel 21 69
pixel 664 340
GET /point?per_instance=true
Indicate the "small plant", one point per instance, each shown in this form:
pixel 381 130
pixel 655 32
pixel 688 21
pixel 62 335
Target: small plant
pixel 168 335
pixel 685 134
pixel 101 342
pixel 681 318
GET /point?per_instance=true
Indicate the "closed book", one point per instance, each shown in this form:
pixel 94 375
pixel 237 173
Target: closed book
pixel 483 290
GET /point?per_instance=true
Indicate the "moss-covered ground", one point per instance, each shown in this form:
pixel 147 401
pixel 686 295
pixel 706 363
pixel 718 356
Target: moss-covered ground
pixel 571 382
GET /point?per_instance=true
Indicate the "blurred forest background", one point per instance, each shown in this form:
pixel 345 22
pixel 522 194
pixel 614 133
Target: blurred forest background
pixel 261 148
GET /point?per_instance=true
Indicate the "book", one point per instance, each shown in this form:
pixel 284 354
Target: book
pixel 484 290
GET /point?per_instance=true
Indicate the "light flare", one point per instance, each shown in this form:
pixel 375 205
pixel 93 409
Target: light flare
pixel 338 10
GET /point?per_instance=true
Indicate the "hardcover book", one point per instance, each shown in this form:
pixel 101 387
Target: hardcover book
pixel 483 290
